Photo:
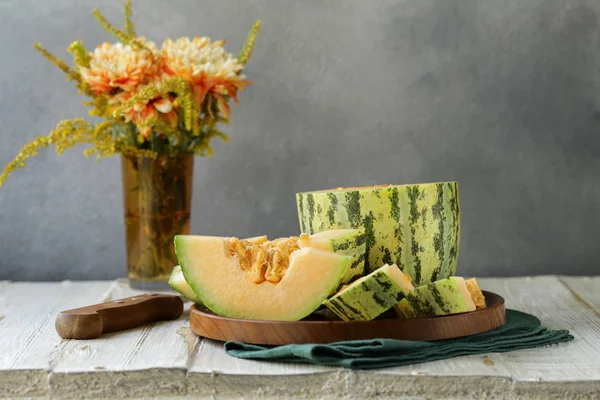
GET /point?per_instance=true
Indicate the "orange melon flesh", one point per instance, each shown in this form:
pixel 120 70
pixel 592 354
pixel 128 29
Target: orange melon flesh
pixel 217 279
pixel 257 239
pixel 325 240
pixel 476 294
pixel 345 241
pixel 178 282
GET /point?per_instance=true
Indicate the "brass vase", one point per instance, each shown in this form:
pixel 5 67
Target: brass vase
pixel 157 200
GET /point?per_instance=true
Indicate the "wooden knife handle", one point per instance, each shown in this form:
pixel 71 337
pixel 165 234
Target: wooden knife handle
pixel 92 321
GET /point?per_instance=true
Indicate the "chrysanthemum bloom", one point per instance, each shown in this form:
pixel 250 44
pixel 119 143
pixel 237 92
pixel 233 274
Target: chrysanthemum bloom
pixel 119 66
pixel 207 66
pixel 144 114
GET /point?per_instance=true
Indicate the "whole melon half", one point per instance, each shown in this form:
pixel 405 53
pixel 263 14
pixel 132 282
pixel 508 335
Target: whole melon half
pixel 416 227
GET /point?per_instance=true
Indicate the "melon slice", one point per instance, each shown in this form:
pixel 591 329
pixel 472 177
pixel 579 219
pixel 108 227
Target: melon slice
pixel 237 280
pixel 178 282
pixel 416 304
pixel 344 241
pixel 443 297
pixel 338 240
pixel 404 309
pixel 370 296
pixel 450 296
pixel 476 293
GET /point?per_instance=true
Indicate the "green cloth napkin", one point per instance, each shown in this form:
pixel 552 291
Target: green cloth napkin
pixel 521 331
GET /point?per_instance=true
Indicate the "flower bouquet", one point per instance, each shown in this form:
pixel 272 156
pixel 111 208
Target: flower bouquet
pixel 157 107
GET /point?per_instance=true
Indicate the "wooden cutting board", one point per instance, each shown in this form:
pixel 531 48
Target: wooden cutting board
pixel 318 329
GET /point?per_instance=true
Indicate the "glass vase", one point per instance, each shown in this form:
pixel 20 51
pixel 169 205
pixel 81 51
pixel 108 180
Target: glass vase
pixel 157 201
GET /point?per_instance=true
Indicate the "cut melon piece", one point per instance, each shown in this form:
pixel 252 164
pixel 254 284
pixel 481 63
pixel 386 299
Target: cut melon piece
pixel 451 296
pixel 338 240
pixel 370 296
pixel 255 282
pixel 344 241
pixel 404 309
pixel 443 297
pixel 416 304
pixel 178 282
pixel 476 293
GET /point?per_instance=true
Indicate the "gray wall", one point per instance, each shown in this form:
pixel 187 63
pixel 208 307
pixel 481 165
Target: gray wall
pixel 500 95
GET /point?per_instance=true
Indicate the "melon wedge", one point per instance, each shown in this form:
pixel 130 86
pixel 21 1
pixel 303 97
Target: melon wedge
pixel 443 297
pixel 416 304
pixel 215 276
pixel 338 240
pixel 450 296
pixel 404 309
pixel 344 241
pixel 178 282
pixel 372 295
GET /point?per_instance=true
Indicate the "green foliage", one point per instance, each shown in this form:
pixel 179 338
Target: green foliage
pixel 80 54
pixel 116 32
pixel 129 26
pixel 246 51
pixel 63 66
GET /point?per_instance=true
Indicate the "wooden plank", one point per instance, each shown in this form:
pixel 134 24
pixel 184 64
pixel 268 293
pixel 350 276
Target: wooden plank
pixel 152 361
pixel 27 335
pixel 149 360
pixel 214 372
pixel 548 299
pixel 3 286
pixel 586 289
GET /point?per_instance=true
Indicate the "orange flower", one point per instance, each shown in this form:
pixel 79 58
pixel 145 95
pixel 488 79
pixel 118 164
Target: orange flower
pixel 119 66
pixel 144 114
pixel 207 65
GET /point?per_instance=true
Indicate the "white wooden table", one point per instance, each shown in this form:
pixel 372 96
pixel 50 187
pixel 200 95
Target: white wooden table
pixel 165 360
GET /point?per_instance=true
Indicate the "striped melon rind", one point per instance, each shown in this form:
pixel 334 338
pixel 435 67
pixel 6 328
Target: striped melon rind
pixel 350 242
pixel 451 296
pixel 370 296
pixel 443 297
pixel 416 304
pixel 416 227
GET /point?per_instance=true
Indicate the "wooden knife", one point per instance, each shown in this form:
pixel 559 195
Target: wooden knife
pixel 91 321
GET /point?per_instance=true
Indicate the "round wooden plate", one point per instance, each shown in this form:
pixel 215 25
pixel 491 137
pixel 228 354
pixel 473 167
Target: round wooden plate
pixel 317 329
